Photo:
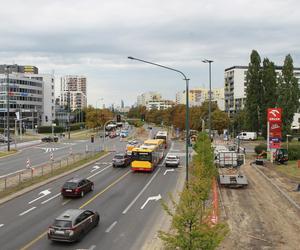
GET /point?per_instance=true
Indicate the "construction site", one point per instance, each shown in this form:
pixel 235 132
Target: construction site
pixel 260 205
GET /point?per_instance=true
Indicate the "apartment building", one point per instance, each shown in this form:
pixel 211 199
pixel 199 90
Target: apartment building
pixel 198 95
pixel 235 87
pixel 144 98
pixel 159 104
pixel 73 92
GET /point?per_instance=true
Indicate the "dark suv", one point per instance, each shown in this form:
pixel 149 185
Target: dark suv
pixel 72 225
pixel 50 139
pixel 121 160
pixel 77 187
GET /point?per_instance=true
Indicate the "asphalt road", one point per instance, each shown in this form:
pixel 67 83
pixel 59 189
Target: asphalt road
pixel 40 154
pixel 120 196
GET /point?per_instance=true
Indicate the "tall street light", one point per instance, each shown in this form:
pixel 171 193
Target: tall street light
pixel 7 108
pixel 187 126
pixel 209 104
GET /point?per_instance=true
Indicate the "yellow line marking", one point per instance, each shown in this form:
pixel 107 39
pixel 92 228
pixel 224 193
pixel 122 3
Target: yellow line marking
pixel 29 244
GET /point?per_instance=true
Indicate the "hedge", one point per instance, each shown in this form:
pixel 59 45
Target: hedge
pixel 48 129
pixel 261 147
pixel 294 150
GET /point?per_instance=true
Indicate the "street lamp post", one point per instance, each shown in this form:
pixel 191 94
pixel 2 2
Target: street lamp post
pixel 287 142
pixel 7 108
pixel 186 111
pixel 209 103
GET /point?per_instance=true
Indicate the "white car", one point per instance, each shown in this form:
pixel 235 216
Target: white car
pixel 172 160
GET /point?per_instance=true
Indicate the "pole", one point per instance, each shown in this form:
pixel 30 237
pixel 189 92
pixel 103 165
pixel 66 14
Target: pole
pixel 69 108
pixel 187 107
pixel 7 103
pixel 187 128
pixel 15 133
pixel 209 105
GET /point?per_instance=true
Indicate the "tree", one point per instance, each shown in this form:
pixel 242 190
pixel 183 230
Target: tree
pixel 269 93
pixel 288 94
pixel 220 120
pixel 254 93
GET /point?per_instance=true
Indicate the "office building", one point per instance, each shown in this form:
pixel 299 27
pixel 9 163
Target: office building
pixel 144 98
pixel 30 95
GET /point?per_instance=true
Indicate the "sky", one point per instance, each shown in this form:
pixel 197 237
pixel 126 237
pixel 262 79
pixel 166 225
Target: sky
pixel 95 37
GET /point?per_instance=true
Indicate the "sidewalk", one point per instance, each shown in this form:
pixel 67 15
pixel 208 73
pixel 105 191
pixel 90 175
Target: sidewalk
pixel 20 145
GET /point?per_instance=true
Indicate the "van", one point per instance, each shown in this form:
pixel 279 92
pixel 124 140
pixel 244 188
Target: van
pixel 247 136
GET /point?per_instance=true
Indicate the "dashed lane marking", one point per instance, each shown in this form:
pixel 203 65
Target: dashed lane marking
pixel 110 227
pixel 27 211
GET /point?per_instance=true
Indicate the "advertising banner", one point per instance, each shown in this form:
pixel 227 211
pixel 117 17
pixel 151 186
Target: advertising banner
pixel 275 127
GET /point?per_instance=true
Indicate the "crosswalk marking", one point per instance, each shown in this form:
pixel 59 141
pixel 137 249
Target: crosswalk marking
pixel 49 149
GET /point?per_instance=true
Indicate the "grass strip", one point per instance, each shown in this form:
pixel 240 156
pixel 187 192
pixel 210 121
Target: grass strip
pixel 38 179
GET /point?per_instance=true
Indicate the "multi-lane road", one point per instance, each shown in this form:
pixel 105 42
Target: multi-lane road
pixel 128 203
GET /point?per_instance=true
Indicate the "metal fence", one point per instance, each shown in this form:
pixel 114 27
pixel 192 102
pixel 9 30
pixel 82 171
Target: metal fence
pixel 16 178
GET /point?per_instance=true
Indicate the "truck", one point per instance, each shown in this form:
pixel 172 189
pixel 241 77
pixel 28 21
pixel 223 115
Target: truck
pixel 247 136
pixel 228 164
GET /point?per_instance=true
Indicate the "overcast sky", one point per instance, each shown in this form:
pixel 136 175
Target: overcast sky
pixel 94 38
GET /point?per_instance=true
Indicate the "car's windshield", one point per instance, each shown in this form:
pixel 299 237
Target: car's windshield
pixel 119 157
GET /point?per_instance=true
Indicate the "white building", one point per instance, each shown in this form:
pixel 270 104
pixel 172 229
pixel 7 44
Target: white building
pixel 144 98
pixel 159 105
pixel 235 87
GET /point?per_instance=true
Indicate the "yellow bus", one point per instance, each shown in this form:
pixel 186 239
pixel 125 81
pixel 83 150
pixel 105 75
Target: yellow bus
pixel 145 158
pixel 160 144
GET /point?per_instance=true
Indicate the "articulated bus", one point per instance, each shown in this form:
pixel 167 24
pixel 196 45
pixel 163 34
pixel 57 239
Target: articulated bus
pixel 164 136
pixel 145 158
pixel 159 143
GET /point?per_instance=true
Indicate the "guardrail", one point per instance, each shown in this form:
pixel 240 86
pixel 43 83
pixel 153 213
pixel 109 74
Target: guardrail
pixel 16 178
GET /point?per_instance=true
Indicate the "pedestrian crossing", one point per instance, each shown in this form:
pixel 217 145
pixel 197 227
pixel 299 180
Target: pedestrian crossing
pixel 47 150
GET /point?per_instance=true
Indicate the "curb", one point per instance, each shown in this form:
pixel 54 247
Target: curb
pixel 37 185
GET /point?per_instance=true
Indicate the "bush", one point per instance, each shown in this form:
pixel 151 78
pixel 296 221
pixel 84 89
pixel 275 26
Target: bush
pixel 259 148
pixel 48 129
pixel 294 152
pixel 77 126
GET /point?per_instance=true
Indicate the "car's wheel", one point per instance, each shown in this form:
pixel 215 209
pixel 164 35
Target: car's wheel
pixel 81 194
pixel 97 221
pixel 92 187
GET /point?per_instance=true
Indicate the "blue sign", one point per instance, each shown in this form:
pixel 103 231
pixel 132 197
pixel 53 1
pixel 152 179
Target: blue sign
pixel 275 139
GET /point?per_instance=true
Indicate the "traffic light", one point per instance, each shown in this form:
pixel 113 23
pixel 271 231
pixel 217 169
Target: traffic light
pixel 118 118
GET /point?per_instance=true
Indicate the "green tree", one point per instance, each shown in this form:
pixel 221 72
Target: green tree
pixel 254 93
pixel 220 120
pixel 190 227
pixel 288 94
pixel 269 93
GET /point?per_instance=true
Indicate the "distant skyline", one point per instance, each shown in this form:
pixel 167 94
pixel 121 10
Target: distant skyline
pixel 94 38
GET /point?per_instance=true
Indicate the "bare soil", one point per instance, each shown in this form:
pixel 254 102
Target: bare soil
pixel 259 217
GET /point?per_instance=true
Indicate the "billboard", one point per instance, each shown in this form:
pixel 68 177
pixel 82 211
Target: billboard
pixel 274 115
pixel 275 127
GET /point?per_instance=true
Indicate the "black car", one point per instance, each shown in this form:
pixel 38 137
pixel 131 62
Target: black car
pixel 72 225
pixel 50 139
pixel 77 187
pixel 121 160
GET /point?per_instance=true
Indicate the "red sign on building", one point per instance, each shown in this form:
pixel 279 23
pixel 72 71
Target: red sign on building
pixel 274 115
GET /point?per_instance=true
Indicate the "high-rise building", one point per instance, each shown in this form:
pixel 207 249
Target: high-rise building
pixel 73 92
pixel 122 104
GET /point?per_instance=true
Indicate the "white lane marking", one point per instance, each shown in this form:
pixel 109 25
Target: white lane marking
pixel 27 211
pixel 99 171
pixel 110 227
pixel 169 170
pixel 140 193
pixel 51 198
pixel 43 194
pixel 1 225
pixel 95 168
pixel 92 247
pixel 151 198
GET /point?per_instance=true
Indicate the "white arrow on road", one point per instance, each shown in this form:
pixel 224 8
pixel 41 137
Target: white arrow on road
pixel 43 194
pixel 95 168
pixel 151 198
pixel 169 170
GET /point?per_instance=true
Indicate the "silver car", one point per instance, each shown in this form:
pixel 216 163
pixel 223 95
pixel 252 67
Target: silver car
pixel 172 160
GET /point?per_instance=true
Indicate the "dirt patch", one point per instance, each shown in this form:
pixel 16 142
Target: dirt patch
pixel 259 217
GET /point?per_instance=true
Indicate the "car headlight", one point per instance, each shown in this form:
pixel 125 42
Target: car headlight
pixel 70 232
